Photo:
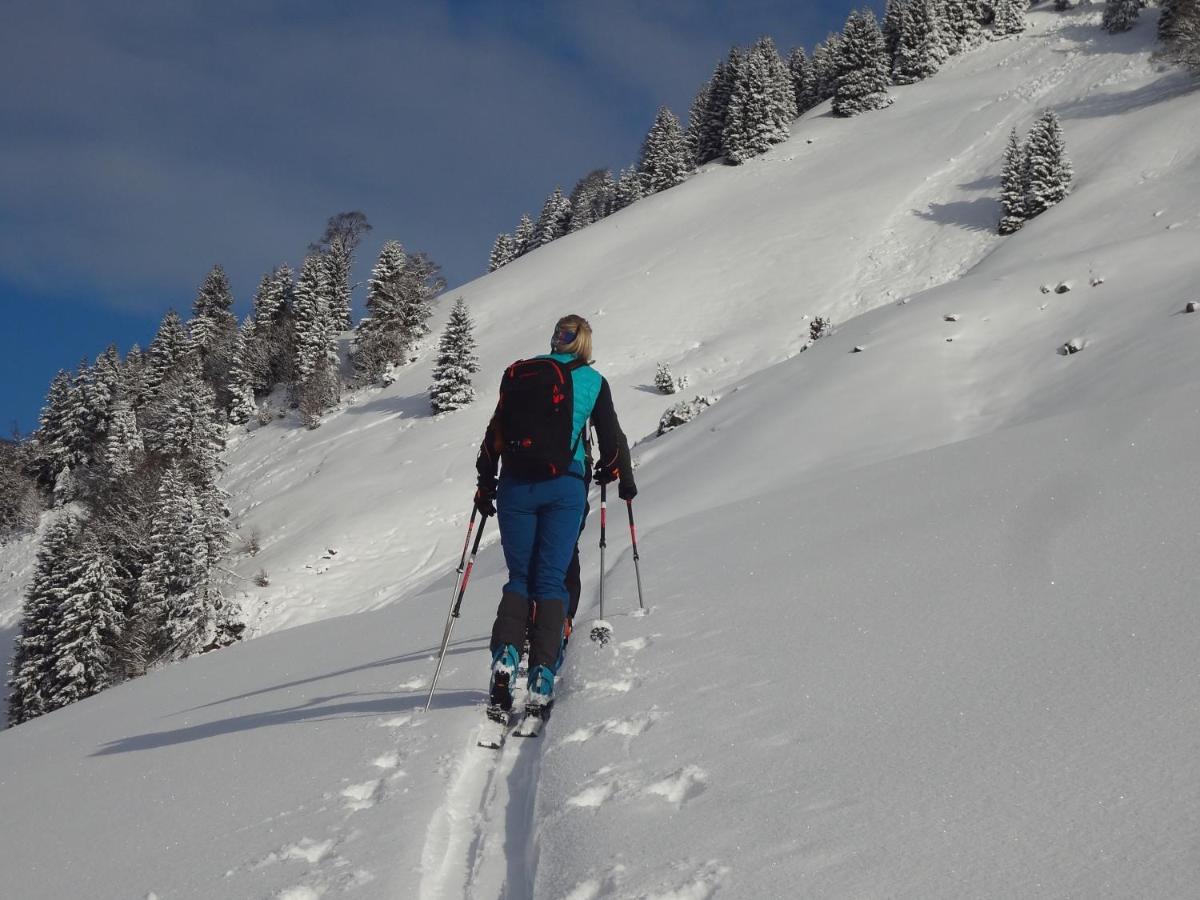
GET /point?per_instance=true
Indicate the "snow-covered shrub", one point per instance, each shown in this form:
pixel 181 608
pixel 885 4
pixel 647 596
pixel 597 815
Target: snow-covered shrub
pixel 818 328
pixel 683 412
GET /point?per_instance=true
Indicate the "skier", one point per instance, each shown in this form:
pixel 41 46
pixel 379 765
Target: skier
pixel 540 499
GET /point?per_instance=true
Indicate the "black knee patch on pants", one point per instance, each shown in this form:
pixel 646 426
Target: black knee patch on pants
pixel 512 621
pixel 545 635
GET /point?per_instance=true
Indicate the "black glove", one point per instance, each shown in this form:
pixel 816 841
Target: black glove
pixel 606 474
pixel 627 489
pixel 485 498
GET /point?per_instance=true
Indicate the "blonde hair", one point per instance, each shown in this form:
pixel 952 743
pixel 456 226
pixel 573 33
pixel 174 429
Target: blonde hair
pixel 581 347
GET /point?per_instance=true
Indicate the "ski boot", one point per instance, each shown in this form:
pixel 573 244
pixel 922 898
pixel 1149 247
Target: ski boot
pixel 504 668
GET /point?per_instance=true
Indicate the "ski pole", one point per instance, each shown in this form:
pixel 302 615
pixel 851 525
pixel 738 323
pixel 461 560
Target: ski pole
pixel 601 630
pixel 603 540
pixel 458 573
pixel 636 568
pixel 454 610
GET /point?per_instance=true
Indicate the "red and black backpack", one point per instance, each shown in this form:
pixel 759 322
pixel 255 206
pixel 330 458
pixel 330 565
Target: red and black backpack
pixel 535 418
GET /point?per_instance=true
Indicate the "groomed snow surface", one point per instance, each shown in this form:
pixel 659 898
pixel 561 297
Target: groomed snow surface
pixel 922 618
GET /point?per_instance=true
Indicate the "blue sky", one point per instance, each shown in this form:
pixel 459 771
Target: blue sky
pixel 146 140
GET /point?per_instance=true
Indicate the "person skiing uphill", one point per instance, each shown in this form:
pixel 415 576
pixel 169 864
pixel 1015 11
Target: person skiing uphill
pixel 535 439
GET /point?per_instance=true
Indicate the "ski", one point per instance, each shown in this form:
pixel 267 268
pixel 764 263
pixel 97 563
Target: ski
pixel 533 720
pixel 492 732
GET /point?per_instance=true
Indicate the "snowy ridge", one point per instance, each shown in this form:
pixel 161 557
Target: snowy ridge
pixel 922 617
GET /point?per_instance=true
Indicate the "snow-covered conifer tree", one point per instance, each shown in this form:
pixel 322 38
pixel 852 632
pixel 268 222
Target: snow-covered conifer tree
pixel 343 233
pixel 399 294
pixel 629 189
pixel 552 223
pixel 212 318
pixel 502 252
pixel 762 105
pixel 88 627
pixel 1013 186
pixel 52 453
pixel 891 27
pixel 123 444
pixel 31 684
pixel 862 75
pixel 1009 17
pixel 1179 30
pixel 241 376
pixel 804 85
pixel 663 379
pixel 169 349
pixel 960 25
pixel 825 66
pixel 915 57
pixel 664 158
pixel 455 364
pixel 693 135
pixel 317 387
pixel 1049 170
pixel 524 238
pixel 173 589
pixel 710 141
pixel 1119 15
pixel 591 199
pixel 781 91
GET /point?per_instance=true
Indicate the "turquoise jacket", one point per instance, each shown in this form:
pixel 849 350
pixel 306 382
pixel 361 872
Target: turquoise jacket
pixel 585 385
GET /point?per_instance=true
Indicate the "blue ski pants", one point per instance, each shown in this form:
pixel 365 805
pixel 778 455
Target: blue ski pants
pixel 539 528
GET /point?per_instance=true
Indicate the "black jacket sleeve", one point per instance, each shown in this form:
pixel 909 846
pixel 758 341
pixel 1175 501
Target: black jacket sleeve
pixel 487 463
pixel 613 448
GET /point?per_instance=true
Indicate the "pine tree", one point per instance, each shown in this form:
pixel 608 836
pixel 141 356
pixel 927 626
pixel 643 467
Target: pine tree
pixel 915 58
pixel 270 354
pixel 825 66
pixel 891 27
pixel 173 603
pixel 104 384
pixel 591 199
pixel 456 363
pixel 1049 177
pixel 804 84
pixel 524 238
pixel 1009 17
pixel 552 223
pixel 399 294
pixel 241 377
pixel 663 379
pixel 212 319
pixel 1012 186
pixel 629 189
pixel 337 245
pixel 710 138
pixel 88 628
pixel 1120 15
pixel 317 387
pixel 169 350
pixel 52 451
pixel 693 136
pixel 502 252
pixel 1179 30
pixel 185 425
pixel 123 446
pixel 31 682
pixel 862 76
pixel 960 25
pixel 664 158
pixel 781 91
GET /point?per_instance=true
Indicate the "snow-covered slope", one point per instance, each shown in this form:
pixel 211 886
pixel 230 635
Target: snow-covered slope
pixel 922 619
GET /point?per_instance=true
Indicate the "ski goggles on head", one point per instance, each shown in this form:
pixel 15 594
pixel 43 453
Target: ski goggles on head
pixel 564 336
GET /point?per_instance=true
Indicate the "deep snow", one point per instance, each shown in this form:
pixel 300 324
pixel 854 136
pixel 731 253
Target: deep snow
pixel 922 617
